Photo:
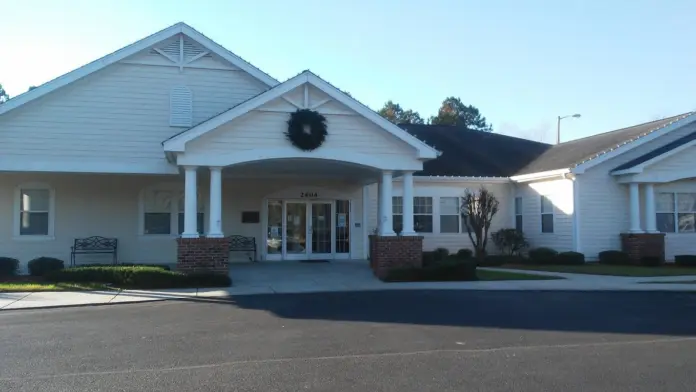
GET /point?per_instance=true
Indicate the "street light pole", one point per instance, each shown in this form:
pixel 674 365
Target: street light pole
pixel 558 125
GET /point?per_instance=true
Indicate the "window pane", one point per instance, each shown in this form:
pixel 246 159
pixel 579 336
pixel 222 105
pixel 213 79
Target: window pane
pixel 547 223
pixel 397 205
pixel 665 222
pixel 157 223
pixel 423 223
pixel 397 223
pixel 449 206
pixel 423 205
pixel 686 202
pixel 686 223
pixel 518 222
pixel 449 224
pixel 35 199
pixel 518 205
pixel 665 202
pixel 33 223
pixel 200 222
pixel 546 205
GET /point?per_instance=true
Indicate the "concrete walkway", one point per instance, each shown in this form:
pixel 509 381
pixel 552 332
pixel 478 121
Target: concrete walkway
pixel 280 278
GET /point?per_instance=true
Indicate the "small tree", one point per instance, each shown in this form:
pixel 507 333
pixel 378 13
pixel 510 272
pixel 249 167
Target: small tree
pixel 478 210
pixel 509 241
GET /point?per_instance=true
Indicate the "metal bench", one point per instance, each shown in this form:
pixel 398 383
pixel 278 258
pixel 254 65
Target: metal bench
pixel 94 245
pixel 240 243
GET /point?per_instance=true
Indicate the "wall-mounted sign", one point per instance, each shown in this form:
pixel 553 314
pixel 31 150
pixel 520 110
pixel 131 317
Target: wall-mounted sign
pixel 308 194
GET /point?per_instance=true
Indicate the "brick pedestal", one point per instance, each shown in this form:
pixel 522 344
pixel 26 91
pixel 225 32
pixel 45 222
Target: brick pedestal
pixel 202 255
pixel 387 253
pixel 639 245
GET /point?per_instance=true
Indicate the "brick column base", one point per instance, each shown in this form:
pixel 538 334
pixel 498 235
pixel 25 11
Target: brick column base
pixel 202 255
pixel 387 253
pixel 639 245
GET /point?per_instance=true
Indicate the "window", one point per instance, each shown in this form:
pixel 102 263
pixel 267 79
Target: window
pixel 676 212
pixel 519 224
pixel 546 215
pixel 449 214
pixel 163 212
pixel 35 204
pixel 423 214
pixel 397 214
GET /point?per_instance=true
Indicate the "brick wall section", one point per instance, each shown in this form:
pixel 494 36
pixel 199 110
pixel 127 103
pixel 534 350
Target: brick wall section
pixel 387 253
pixel 639 245
pixel 202 255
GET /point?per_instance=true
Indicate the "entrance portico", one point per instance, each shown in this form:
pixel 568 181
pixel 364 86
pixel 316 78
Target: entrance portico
pixel 298 221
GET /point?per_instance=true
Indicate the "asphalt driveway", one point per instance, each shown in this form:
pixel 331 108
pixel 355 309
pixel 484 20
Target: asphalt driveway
pixel 359 341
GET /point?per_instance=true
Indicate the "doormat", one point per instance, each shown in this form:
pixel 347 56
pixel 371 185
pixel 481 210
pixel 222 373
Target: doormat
pixel 314 261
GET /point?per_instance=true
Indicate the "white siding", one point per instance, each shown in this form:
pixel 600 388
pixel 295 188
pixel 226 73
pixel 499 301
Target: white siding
pixel 603 207
pixel 119 114
pixel 108 205
pixel 682 162
pixel 679 243
pixel 453 242
pixel 560 192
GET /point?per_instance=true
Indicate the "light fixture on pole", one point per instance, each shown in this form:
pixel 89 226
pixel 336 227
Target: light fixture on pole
pixel 558 127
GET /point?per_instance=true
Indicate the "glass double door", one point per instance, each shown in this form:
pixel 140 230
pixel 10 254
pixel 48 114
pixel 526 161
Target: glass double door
pixel 299 230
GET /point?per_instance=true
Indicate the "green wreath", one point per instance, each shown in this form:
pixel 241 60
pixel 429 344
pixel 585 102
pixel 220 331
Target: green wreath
pixel 306 129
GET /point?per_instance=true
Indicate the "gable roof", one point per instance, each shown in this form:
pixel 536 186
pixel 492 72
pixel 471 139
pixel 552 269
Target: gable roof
pixel 130 50
pixel 658 152
pixel 178 142
pixel 468 153
pixel 573 153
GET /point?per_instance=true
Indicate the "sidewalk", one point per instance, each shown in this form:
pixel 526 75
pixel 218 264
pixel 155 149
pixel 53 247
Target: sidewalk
pixel 572 282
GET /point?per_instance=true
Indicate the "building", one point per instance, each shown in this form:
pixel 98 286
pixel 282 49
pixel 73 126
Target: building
pixel 173 143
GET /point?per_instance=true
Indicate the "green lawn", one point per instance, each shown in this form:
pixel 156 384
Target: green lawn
pixel 9 287
pixel 613 270
pixel 486 275
pixel 672 282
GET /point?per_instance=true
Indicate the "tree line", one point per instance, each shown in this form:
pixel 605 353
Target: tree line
pixel 452 112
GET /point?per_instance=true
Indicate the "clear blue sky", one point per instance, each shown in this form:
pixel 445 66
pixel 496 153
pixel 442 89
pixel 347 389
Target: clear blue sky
pixel 616 62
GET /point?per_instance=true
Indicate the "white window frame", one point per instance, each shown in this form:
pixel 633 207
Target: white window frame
pixel 431 214
pixel 542 213
pixel 177 192
pixel 519 212
pixel 675 212
pixel 440 215
pixel 401 214
pixel 50 236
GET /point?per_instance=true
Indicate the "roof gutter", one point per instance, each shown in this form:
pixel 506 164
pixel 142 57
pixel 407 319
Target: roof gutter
pixel 546 175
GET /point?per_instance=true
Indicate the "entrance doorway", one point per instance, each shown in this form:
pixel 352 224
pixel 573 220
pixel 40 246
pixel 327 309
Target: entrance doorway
pixel 307 230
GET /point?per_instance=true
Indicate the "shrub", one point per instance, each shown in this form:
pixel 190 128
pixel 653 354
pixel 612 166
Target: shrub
pixel 570 258
pixel 40 266
pixel 650 261
pixel 441 253
pixel 8 266
pixel 138 277
pixel 509 241
pixel 161 266
pixel 434 257
pixel 542 256
pixel 498 260
pixel 465 254
pixel 614 257
pixel 685 260
pixel 441 272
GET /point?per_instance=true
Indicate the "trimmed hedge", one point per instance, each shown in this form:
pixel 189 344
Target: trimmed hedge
pixel 570 258
pixel 138 277
pixel 465 254
pixel 685 260
pixel 651 261
pixel 161 266
pixel 8 266
pixel 614 257
pixel 41 266
pixel 440 272
pixel 542 256
pixel 498 260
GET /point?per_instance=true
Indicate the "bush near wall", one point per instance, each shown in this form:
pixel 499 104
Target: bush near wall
pixel 499 260
pixel 449 270
pixel 8 266
pixel 542 256
pixel 614 257
pixel 570 258
pixel 41 266
pixel 138 277
pixel 651 261
pixel 685 260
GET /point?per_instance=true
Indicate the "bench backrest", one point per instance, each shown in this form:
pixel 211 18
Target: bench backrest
pixel 240 242
pixel 95 243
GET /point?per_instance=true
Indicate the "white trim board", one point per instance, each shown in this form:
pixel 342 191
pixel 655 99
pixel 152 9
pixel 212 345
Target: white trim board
pixel 641 166
pixel 143 44
pixel 178 143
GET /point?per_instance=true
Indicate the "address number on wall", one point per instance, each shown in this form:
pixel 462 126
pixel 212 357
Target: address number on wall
pixel 308 194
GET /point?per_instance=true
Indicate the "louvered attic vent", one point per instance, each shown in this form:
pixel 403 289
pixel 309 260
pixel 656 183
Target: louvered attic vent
pixel 181 107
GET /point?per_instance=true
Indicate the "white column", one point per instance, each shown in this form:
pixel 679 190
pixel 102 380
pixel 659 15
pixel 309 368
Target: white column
pixel 215 218
pixel 385 205
pixel 650 217
pixel 190 203
pixel 634 207
pixel 408 205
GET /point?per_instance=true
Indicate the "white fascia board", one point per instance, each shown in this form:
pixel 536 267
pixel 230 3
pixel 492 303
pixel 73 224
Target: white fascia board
pixel 639 168
pixel 560 173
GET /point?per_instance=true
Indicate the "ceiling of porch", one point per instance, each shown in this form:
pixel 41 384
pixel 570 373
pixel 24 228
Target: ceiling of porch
pixel 302 167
